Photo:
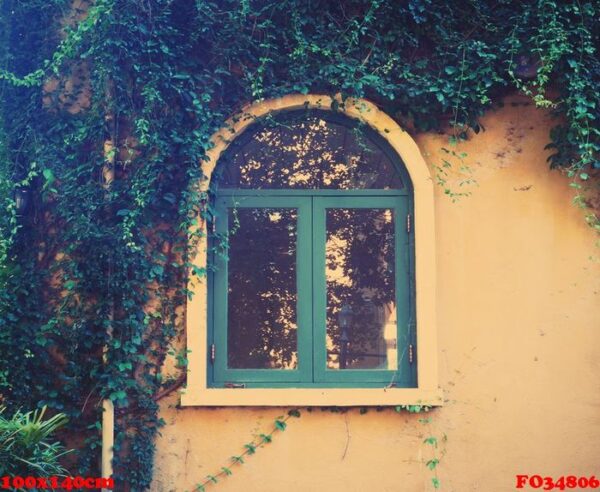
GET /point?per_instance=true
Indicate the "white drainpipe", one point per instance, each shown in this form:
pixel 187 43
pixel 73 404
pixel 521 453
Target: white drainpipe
pixel 108 409
pixel 108 438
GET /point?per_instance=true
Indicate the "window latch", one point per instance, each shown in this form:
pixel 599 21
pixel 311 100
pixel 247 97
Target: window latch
pixel 235 385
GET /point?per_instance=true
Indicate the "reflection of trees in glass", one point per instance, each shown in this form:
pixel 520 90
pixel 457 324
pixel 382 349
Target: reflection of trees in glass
pixel 307 151
pixel 360 266
pixel 310 153
pixel 262 289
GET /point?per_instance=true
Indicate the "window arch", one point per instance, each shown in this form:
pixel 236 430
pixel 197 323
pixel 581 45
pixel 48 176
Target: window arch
pixel 316 283
pixel 316 292
pixel 310 149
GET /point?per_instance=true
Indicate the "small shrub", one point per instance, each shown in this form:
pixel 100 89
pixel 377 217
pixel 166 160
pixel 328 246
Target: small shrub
pixel 26 446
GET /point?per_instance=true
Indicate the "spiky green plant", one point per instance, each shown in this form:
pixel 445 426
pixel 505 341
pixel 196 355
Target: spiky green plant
pixel 26 445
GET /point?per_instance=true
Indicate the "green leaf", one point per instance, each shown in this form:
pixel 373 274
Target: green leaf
pixel 124 366
pixel 280 425
pixel 431 440
pixel 49 177
pixel 118 395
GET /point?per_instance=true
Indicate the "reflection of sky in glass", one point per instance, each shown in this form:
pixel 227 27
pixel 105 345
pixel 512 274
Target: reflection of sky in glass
pixel 310 153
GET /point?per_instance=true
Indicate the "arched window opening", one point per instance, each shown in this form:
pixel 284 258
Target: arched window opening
pixel 310 150
pixel 312 278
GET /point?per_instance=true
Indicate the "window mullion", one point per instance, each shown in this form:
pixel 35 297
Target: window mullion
pixel 304 290
pixel 319 307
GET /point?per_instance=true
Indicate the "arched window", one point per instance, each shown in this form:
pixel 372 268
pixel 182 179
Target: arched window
pixel 320 249
pixel 311 258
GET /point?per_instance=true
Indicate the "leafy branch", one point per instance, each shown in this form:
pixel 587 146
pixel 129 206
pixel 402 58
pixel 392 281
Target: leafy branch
pixel 250 448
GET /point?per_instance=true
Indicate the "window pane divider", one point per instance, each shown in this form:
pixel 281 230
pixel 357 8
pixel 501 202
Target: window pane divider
pixel 310 192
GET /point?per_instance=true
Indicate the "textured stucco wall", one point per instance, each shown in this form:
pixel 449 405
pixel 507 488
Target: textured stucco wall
pixel 518 309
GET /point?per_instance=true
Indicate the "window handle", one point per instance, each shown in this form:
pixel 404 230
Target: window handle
pixel 235 385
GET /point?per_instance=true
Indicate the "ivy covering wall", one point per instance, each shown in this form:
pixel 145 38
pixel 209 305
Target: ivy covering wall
pixel 107 108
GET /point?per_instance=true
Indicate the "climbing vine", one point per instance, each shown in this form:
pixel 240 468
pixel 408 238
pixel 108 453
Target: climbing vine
pixel 279 425
pixel 108 108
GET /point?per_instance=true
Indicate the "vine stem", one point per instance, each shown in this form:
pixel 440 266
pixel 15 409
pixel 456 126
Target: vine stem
pixel 167 391
pixel 250 449
pixel 462 73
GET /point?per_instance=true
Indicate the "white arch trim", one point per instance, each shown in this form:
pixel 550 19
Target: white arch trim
pixel 427 393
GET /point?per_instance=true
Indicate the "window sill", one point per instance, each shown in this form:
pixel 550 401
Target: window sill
pixel 224 397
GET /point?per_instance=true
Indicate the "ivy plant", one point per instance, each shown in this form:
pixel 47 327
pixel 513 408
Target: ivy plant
pixel 107 108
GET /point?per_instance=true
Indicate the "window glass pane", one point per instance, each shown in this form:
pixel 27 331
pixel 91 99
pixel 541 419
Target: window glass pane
pixel 262 319
pixel 307 152
pixel 361 292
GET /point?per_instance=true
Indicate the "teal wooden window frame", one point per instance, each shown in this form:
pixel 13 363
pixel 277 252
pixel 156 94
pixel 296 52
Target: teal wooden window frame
pixel 311 205
pixel 399 205
pixel 222 373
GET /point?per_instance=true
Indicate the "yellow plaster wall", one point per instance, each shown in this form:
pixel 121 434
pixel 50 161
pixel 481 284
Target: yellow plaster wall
pixel 518 314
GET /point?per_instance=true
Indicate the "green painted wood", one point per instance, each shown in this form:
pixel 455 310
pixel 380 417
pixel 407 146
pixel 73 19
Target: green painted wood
pixel 222 373
pixel 311 192
pixel 311 309
pixel 402 376
pixel 404 284
pixel 412 292
pixel 323 384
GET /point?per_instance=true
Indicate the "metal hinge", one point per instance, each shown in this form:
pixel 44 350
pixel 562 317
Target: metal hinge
pixel 411 355
pixel 213 224
pixel 212 353
pixel 235 385
pixel 408 224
